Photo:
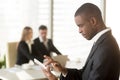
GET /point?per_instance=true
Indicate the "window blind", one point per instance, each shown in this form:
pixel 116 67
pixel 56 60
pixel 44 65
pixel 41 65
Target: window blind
pixel 16 14
pixel 65 32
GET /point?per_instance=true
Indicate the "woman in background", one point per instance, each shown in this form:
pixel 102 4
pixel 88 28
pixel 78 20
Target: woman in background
pixel 25 48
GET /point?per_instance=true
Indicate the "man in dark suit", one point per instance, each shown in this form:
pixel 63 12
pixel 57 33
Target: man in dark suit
pixel 44 46
pixel 103 62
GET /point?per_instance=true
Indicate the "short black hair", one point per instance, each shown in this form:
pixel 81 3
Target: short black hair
pixel 89 10
pixel 43 27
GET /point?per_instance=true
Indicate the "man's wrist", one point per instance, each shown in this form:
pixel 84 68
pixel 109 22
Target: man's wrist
pixel 52 77
pixel 64 71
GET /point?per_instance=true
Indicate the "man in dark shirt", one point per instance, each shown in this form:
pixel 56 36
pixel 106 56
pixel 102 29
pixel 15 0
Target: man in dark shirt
pixel 43 45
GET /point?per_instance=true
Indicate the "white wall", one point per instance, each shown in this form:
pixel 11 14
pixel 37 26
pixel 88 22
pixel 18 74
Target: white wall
pixel 16 14
pixel 113 17
pixel 65 32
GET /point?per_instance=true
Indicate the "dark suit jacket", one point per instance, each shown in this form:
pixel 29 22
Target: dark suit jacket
pixel 42 50
pixel 102 63
pixel 23 53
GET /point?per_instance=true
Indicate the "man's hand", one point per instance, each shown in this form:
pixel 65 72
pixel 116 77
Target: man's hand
pixel 56 65
pixel 48 74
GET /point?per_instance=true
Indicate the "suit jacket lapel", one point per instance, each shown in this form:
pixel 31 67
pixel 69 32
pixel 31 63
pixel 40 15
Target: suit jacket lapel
pixel 48 44
pixel 42 44
pixel 27 47
pixel 95 46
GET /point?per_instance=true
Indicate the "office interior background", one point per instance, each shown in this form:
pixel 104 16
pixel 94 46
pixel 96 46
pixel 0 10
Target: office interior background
pixel 58 16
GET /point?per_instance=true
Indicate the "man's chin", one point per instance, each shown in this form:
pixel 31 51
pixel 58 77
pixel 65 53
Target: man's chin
pixel 87 38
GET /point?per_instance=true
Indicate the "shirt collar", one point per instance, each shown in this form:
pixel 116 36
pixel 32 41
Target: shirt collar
pixel 98 35
pixel 29 42
pixel 41 40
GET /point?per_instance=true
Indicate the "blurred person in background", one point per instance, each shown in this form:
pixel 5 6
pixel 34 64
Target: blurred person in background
pixel 25 50
pixel 43 45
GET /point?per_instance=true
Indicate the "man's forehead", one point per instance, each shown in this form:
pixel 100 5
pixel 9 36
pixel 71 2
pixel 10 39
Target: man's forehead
pixel 43 30
pixel 79 18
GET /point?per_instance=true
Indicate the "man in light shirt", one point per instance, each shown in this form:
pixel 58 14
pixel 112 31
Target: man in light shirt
pixel 43 45
pixel 103 62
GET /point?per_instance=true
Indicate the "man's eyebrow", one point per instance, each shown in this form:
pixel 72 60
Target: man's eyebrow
pixel 79 25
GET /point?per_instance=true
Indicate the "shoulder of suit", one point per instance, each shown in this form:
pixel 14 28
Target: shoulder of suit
pixel 36 39
pixel 21 43
pixel 50 40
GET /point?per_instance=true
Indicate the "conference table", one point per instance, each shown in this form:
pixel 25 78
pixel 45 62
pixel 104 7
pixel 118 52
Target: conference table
pixel 18 73
pixel 33 73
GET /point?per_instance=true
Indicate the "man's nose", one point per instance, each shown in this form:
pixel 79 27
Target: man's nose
pixel 80 30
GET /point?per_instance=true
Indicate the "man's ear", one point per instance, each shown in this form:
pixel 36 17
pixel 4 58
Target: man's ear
pixel 93 20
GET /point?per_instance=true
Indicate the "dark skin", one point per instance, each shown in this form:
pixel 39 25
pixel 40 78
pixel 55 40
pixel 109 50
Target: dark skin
pixel 55 65
pixel 88 27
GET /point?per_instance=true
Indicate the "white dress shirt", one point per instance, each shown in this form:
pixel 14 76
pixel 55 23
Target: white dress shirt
pixel 98 35
pixel 44 42
pixel 29 43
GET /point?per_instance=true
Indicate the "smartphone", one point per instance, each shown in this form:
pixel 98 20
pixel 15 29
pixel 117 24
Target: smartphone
pixel 39 63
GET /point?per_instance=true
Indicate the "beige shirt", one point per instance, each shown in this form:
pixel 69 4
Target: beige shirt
pixel 29 43
pixel 44 42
